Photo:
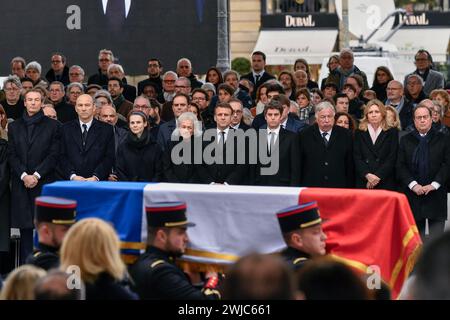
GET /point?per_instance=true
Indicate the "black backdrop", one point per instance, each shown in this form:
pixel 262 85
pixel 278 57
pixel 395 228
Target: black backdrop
pixel 167 29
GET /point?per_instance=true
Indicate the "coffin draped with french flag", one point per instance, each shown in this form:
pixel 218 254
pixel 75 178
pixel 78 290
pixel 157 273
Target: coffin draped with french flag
pixel 365 228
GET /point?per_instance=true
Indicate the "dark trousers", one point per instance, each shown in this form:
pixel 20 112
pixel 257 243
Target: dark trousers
pixel 435 227
pixel 26 244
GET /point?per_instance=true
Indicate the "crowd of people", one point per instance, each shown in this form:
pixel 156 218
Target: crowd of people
pixel 393 135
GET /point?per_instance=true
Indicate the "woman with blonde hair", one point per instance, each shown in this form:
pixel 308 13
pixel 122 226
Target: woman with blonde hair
pixel 94 247
pixel 392 118
pixel 375 149
pixel 19 285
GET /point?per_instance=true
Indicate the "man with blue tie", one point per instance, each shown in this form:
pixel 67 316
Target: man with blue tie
pixel 87 145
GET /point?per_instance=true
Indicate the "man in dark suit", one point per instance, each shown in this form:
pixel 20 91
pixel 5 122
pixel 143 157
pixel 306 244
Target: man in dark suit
pixel 423 169
pixel 33 151
pixel 280 143
pixel 397 100
pixel 64 111
pixel 109 115
pixel 326 152
pixel 287 120
pixel 180 104
pixel 225 146
pixel 238 112
pixel 258 75
pixel 87 145
pixel 58 71
pixel 105 58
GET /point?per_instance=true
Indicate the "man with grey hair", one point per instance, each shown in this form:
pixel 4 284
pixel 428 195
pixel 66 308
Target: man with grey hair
pixel 184 69
pixel 76 74
pixel 168 84
pixel 65 111
pixel 116 70
pixel 397 100
pixel 18 67
pixel 105 58
pixel 13 103
pixel 432 79
pixel 33 70
pixel 414 89
pixel 345 69
pixel 326 152
pixel 183 84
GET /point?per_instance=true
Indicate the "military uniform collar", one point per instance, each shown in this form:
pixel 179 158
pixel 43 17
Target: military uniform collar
pixel 160 253
pixel 46 248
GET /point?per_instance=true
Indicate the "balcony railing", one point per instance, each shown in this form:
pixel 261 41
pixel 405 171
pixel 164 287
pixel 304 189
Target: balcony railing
pixel 300 6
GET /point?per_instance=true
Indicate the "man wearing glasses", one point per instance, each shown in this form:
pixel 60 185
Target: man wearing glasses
pixel 154 69
pixel 432 79
pixel 13 104
pixel 58 71
pixel 105 58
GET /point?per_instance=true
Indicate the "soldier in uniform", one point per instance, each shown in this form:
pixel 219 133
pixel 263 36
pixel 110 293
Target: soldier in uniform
pixel 155 274
pixel 53 217
pixel 301 227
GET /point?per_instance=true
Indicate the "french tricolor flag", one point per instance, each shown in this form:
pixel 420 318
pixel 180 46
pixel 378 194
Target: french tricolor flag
pixel 365 228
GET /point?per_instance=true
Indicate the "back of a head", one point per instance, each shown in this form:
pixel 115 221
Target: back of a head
pixel 327 279
pixel 103 257
pixel 19 284
pixel 433 270
pixel 55 286
pixel 259 277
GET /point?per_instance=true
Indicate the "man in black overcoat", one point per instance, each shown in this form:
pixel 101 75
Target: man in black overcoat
pixel 33 151
pixel 326 152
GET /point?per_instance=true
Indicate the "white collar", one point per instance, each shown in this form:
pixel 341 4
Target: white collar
pixel 88 124
pixel 276 131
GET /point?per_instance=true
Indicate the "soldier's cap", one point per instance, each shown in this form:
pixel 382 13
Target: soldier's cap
pixel 300 216
pixel 55 210
pixel 167 214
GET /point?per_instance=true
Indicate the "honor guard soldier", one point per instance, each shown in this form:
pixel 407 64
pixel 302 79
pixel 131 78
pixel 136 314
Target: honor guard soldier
pixel 155 274
pixel 301 227
pixel 53 218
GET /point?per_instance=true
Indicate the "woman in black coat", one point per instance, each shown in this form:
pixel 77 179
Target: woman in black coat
pixel 139 156
pixel 189 133
pixel 375 149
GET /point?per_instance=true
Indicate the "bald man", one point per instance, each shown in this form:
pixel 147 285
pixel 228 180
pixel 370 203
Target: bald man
pixel 87 145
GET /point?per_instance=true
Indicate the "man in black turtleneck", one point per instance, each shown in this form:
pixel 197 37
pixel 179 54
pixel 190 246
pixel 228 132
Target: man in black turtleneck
pixel 33 152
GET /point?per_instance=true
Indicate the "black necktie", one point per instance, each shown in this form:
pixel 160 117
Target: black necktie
pixel 257 78
pixel 84 134
pixel 324 135
pixel 115 13
pixel 271 142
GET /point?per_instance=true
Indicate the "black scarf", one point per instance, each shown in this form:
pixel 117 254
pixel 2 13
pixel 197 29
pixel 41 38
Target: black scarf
pixel 421 157
pixel 118 101
pixel 136 142
pixel 30 122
